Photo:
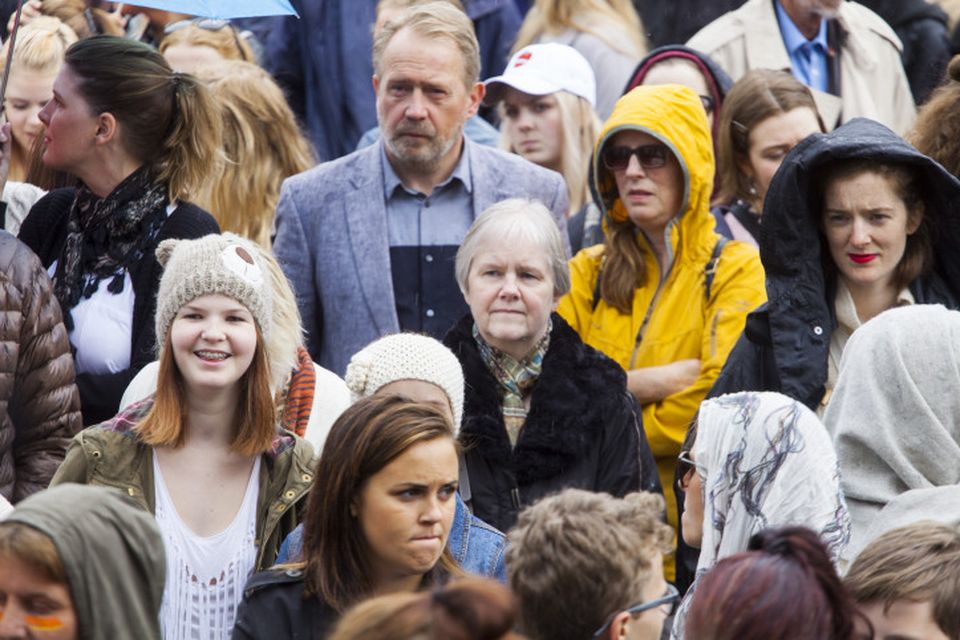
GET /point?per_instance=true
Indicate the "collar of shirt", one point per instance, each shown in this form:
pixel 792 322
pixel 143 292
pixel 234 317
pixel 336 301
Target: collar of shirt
pixel 391 182
pixel 792 38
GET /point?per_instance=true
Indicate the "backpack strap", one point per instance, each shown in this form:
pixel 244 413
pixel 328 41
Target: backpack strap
pixel 596 285
pixel 711 269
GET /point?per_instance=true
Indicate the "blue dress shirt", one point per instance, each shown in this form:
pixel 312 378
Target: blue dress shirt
pixel 808 58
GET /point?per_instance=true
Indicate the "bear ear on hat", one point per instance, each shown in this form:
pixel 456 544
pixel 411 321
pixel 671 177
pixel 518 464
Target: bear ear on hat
pixel 165 250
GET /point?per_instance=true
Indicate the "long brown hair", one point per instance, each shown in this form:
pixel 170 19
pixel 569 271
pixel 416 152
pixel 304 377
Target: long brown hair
pixel 364 439
pixel 169 120
pixel 758 95
pixel 256 419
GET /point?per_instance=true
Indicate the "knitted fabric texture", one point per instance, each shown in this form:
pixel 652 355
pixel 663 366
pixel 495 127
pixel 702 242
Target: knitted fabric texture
pixel 226 264
pixel 407 356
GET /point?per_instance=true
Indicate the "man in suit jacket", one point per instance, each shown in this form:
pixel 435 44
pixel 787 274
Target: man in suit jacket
pixel 368 241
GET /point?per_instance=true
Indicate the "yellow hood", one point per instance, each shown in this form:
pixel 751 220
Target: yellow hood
pixel 674 115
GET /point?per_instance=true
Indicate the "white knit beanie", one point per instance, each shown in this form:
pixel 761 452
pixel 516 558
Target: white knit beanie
pixel 407 356
pixel 217 263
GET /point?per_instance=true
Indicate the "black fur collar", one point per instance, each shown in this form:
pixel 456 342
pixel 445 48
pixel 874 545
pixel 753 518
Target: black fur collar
pixel 566 411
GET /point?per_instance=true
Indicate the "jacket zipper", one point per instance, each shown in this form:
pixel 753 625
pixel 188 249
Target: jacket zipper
pixel 643 325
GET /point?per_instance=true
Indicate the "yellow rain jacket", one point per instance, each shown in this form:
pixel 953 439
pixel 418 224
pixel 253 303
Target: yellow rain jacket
pixel 672 319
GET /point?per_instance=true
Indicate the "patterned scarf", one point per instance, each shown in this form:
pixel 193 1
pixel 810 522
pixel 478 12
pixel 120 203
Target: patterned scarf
pixel 298 400
pixel 107 236
pixel 516 379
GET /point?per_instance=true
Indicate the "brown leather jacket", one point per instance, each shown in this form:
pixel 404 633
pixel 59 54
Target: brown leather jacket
pixel 39 404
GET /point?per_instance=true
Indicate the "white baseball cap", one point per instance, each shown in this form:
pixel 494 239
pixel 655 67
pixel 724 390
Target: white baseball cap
pixel 540 69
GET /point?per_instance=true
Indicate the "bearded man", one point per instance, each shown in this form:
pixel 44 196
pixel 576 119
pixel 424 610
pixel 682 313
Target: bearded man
pixel 848 56
pixel 368 240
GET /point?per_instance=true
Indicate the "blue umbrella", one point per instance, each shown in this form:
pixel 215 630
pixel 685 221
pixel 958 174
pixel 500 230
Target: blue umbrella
pixel 222 8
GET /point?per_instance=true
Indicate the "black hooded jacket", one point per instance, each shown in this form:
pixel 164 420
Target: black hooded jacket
pixel 583 429
pixel 785 345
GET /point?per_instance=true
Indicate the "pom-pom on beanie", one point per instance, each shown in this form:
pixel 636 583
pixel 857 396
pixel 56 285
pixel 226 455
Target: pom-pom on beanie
pixel 407 356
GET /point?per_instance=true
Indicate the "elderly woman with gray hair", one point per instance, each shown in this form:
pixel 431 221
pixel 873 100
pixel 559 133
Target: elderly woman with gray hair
pixel 542 411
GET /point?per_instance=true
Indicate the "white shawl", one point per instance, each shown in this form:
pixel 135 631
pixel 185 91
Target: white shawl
pixel 767 462
pixel 895 413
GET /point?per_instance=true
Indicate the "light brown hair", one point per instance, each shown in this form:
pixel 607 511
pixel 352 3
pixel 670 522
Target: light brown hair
pixel 168 120
pixel 256 419
pixel 365 438
pixel 34 549
pixel 615 22
pixel 576 557
pixel 936 133
pixel 918 562
pixel 758 95
pixel 433 21
pixel 262 146
pixel 467 609
pixel 226 41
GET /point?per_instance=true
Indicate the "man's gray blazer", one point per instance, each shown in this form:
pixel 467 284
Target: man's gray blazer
pixel 332 241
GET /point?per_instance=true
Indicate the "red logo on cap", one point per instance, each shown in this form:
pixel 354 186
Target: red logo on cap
pixel 523 57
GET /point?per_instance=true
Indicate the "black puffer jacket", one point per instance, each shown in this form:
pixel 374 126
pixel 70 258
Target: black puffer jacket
pixel 922 28
pixel 39 404
pixel 583 429
pixel 786 343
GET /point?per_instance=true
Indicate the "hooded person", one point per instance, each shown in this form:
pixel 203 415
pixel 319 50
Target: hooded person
pixel 899 370
pixel 99 558
pixel 822 277
pixel 756 461
pixel 665 297
pixel 673 64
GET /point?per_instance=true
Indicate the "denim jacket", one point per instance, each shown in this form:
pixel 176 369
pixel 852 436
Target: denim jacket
pixel 476 546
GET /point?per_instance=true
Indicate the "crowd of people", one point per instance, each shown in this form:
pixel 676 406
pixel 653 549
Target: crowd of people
pixel 582 319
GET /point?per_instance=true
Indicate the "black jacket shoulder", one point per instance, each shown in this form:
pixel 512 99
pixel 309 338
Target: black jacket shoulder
pixel 583 429
pixel 275 607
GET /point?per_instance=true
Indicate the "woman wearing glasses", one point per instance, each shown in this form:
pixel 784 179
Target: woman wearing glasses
pixel 664 296
pixel 786 473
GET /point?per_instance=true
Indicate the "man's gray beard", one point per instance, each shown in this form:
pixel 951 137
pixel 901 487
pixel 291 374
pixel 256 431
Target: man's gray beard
pixel 422 165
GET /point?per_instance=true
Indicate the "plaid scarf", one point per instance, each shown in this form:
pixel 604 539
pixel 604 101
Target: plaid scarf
pixel 516 379
pixel 106 237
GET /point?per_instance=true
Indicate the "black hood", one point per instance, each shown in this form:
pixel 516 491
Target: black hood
pixel 800 317
pixel 790 240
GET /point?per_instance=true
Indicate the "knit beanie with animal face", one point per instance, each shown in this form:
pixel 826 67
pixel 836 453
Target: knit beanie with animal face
pixel 407 356
pixel 217 263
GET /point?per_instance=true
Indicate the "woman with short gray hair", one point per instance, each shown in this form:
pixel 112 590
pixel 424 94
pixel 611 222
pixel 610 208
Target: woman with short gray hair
pixel 542 411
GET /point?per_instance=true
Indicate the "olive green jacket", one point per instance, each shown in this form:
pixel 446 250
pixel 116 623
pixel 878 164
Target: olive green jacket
pixel 111 454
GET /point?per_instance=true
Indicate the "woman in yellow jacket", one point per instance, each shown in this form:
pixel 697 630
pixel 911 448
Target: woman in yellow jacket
pixel 664 296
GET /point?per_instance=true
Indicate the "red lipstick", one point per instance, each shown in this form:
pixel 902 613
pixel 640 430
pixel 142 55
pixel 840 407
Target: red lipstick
pixel 862 258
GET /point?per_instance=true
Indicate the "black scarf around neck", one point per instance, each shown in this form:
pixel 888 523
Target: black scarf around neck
pixel 107 236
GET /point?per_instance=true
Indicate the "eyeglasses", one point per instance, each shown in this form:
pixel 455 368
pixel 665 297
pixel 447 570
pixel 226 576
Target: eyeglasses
pixel 686 464
pixel 209 24
pixel 667 603
pixel 650 156
pixel 709 104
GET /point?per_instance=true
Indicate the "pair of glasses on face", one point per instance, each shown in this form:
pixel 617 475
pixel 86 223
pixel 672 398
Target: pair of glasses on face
pixel 685 464
pixel 209 24
pixel 667 603
pixel 650 156
pixel 709 104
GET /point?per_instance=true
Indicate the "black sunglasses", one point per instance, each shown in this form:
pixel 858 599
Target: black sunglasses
pixel 709 104
pixel 650 156
pixel 668 601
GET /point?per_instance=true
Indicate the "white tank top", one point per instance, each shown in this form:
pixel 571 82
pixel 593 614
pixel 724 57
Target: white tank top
pixel 205 576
